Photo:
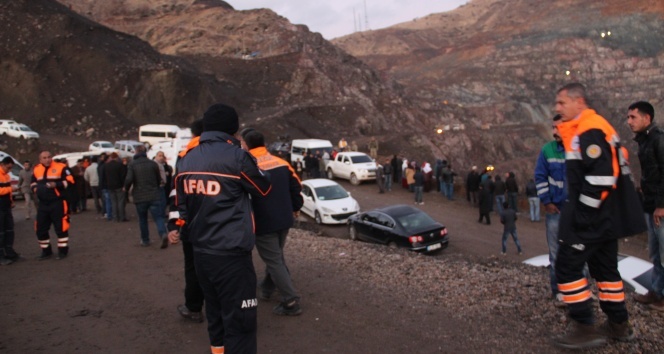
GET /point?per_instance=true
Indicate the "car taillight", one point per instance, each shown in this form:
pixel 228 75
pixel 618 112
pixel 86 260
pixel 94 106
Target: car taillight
pixel 443 232
pixel 414 239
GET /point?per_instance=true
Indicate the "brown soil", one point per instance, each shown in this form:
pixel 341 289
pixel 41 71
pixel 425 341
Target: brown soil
pixel 110 295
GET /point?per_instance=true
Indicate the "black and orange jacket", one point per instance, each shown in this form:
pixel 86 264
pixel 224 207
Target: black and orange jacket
pixel 275 211
pixel 57 173
pixel 213 184
pixel 593 166
pixel 5 189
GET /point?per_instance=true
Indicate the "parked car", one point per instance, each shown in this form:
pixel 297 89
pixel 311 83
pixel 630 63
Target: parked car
pixel 353 166
pixel 635 272
pixel 327 202
pixel 127 148
pixel 399 226
pixel 101 146
pixel 21 131
pixel 5 124
pixel 13 174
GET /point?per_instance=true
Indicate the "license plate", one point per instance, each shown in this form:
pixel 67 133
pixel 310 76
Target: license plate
pixel 433 247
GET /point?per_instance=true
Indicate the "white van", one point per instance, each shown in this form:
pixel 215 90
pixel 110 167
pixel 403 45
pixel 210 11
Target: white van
pixel 302 147
pixel 171 148
pixel 155 133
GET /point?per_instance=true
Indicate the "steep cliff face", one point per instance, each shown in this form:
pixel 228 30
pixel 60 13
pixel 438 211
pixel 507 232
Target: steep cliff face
pixel 494 66
pixel 63 73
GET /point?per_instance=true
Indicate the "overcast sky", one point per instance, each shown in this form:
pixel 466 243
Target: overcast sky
pixel 335 18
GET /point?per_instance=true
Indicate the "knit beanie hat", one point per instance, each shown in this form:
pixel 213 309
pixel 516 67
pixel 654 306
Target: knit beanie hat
pixel 221 118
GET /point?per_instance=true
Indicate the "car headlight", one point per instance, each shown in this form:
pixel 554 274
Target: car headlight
pixel 362 170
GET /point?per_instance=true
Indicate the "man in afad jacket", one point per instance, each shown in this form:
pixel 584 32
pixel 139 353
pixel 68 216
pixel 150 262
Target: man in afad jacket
pixel 650 138
pixel 49 182
pixel 274 216
pixel 592 220
pixel 213 184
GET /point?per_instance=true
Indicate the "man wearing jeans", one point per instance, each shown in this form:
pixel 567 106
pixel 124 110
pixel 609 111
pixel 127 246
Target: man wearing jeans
pixel 651 155
pixel 550 183
pixel 274 215
pixel 143 174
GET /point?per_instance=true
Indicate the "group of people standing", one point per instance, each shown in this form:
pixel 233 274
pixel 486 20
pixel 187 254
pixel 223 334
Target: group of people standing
pixel 583 179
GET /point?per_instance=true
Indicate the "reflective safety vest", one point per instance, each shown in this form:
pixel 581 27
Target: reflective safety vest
pixel 57 173
pixel 593 166
pixel 5 188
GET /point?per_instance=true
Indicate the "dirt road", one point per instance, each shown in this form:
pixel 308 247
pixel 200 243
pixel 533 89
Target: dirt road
pixel 112 296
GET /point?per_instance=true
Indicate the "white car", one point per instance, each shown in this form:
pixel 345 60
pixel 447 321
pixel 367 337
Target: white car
pixel 21 131
pixel 634 271
pixel 5 124
pixel 101 146
pixel 327 202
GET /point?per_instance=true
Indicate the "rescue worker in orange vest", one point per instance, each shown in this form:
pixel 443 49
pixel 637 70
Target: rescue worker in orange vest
pixel 7 253
pixel 49 182
pixel 589 223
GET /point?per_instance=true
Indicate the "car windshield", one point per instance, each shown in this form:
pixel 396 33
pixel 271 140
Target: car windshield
pixel 25 128
pixel 105 145
pixel 331 192
pixel 414 222
pixel 361 159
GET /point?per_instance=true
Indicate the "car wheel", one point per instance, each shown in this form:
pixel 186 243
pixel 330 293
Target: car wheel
pixel 392 244
pixel 353 179
pixel 330 174
pixel 318 218
pixel 352 232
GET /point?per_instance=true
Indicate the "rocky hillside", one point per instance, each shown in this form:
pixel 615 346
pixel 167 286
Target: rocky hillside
pixel 118 64
pixel 494 66
pixel 64 74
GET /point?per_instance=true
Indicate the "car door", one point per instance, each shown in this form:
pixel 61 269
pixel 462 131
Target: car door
pixel 370 230
pixel 309 204
pixel 345 166
pixel 384 229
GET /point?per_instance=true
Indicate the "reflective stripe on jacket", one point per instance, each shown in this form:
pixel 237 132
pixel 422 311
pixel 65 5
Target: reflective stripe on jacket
pixel 550 174
pixel 213 184
pixel 274 212
pixel 592 171
pixel 57 173
pixel 5 189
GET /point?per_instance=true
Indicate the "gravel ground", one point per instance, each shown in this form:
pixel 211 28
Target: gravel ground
pixel 508 303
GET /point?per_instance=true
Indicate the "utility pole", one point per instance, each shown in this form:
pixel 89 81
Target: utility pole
pixel 366 17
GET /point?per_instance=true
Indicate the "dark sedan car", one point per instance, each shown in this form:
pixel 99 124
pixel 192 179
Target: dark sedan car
pixel 399 225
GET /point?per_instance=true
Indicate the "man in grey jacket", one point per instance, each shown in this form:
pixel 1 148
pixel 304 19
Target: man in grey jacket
pixel 143 175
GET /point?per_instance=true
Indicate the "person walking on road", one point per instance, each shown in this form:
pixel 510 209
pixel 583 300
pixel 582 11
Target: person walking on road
pixel 143 174
pixel 274 215
pixel 508 219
